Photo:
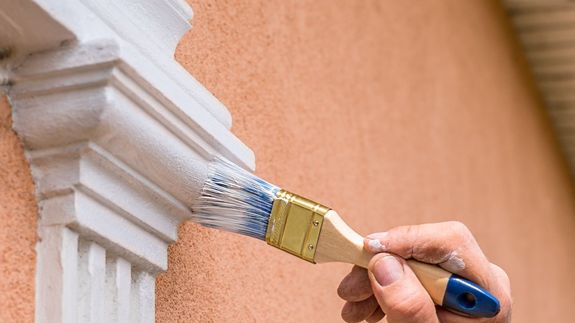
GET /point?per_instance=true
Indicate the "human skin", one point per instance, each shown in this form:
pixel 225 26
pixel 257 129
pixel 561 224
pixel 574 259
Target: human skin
pixel 390 288
pixel 390 113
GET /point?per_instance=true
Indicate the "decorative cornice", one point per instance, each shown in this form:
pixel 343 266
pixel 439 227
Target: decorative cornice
pixel 118 136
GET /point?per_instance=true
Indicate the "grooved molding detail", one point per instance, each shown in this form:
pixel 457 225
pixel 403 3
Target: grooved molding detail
pixel 118 136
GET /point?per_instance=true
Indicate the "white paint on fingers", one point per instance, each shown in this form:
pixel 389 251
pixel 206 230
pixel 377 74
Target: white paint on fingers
pixel 375 246
pixel 454 263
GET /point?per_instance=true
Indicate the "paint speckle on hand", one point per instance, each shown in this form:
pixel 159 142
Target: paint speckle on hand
pixel 375 246
pixel 454 263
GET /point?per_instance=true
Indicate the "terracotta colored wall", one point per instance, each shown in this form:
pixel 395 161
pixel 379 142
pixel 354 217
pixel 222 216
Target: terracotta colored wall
pixel 17 226
pixel 392 113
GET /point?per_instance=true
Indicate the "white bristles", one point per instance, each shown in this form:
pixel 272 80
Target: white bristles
pixel 235 200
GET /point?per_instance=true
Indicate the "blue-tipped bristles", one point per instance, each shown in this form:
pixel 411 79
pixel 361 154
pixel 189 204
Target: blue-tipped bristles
pixel 233 199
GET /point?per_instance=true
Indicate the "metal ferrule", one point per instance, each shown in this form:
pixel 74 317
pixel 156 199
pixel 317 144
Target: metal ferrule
pixel 295 224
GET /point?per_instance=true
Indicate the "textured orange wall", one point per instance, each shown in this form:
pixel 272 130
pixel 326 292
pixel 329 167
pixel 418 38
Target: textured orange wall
pixel 17 226
pixel 391 113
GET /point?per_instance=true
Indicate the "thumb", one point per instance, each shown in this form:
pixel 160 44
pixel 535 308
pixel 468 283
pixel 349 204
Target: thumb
pixel 398 291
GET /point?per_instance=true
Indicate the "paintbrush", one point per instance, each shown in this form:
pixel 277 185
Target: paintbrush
pixel 235 200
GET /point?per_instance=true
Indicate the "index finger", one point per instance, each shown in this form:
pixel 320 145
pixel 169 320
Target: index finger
pixel 450 245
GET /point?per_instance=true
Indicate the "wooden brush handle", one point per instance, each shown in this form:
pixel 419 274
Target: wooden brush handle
pixel 339 243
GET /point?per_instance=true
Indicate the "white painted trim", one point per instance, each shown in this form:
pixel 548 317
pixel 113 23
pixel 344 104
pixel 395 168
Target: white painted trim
pixel 118 136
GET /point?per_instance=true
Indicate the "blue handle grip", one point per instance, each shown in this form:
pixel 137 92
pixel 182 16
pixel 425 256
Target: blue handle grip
pixel 466 297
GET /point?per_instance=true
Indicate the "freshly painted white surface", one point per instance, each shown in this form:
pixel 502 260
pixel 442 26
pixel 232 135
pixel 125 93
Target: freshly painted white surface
pixel 91 279
pixel 118 136
pixel 148 31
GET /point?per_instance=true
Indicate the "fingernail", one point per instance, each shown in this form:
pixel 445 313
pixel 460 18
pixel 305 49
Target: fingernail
pixel 387 270
pixel 375 246
pixel 377 235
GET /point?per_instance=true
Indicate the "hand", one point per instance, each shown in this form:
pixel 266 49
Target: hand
pixel 390 288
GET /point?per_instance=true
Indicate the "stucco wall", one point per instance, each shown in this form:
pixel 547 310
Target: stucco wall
pixel 18 215
pixel 391 113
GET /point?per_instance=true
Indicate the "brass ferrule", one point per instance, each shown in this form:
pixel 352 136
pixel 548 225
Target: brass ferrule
pixel 295 224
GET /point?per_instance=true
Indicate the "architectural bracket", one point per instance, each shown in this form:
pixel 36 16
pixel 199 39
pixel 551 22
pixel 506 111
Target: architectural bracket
pixel 118 136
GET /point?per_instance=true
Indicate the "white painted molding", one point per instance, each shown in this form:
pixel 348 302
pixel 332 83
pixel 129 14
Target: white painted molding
pixel 118 136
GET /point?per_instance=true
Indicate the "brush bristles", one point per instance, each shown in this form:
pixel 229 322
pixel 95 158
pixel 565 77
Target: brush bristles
pixel 233 199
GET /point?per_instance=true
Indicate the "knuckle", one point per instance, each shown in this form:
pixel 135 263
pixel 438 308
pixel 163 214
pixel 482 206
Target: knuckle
pixel 459 231
pixel 504 294
pixel 459 227
pixel 502 274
